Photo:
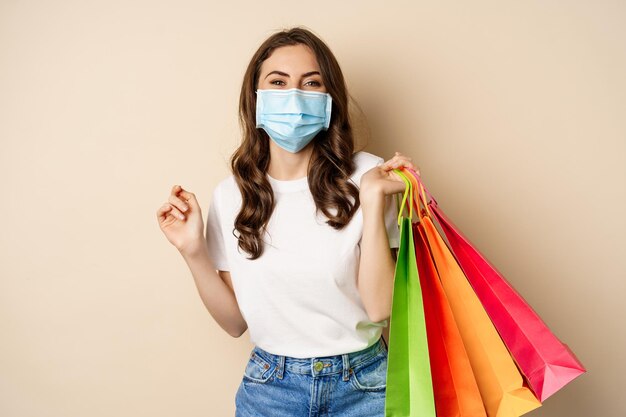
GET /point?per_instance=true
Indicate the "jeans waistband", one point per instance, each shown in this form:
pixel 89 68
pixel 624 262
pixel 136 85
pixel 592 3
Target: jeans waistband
pixel 323 365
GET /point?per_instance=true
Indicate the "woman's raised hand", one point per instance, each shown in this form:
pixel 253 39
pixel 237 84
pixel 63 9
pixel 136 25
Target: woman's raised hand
pixel 180 219
pixel 383 178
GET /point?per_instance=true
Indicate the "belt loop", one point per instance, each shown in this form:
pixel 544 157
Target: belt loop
pixel 346 366
pixel 281 366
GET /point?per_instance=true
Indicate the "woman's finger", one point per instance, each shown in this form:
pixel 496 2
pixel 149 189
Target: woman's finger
pixel 189 197
pixel 397 158
pixel 177 213
pixel 400 155
pixel 399 161
pixel 162 212
pixel 176 189
pixel 178 203
pixel 173 211
pixel 179 192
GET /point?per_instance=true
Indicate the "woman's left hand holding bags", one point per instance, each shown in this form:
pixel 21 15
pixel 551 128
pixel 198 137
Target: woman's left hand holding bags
pixel 382 179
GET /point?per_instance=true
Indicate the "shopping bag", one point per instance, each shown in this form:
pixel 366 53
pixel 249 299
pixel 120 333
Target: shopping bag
pixel 502 387
pixel 409 391
pixel 545 361
pixel 454 384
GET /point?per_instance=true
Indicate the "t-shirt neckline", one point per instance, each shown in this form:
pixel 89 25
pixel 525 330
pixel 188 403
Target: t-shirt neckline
pixel 298 184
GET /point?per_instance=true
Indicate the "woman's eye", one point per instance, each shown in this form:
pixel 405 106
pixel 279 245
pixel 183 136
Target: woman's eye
pixel 313 83
pixel 277 82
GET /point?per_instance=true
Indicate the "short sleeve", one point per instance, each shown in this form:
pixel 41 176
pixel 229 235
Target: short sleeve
pixel 214 235
pixel 391 217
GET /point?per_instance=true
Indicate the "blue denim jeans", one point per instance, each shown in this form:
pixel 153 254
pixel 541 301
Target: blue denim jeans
pixel 347 385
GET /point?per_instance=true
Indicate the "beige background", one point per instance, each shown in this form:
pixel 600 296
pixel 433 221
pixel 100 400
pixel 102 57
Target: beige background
pixel 513 110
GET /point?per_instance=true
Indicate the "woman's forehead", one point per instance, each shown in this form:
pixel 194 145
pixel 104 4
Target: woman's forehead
pixel 291 59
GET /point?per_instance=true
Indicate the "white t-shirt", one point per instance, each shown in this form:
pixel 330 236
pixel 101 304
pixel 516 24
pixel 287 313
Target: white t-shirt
pixel 300 297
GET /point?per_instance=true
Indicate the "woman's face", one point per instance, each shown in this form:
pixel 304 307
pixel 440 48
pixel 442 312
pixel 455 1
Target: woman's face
pixel 293 66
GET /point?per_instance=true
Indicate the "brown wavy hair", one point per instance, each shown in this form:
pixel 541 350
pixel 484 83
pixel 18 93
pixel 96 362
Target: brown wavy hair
pixel 330 166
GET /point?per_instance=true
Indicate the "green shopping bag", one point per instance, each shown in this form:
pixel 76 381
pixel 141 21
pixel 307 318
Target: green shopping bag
pixel 409 391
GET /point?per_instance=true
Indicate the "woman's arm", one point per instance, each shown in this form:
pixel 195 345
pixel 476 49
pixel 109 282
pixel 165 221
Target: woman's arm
pixel 377 265
pixel 216 291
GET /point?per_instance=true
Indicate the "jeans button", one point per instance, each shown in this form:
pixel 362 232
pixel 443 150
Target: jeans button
pixel 318 366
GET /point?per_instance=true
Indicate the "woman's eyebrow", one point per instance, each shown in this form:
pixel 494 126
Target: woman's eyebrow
pixel 284 74
pixel 279 73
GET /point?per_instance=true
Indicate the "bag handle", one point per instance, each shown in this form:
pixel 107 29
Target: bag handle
pixel 421 196
pixel 417 196
pixel 419 179
pixel 417 190
pixel 414 183
pixel 407 190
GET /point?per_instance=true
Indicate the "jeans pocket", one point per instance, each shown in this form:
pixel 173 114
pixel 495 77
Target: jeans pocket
pixel 258 369
pixel 371 376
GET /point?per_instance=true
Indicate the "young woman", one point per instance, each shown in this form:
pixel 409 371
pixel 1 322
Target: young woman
pixel 298 238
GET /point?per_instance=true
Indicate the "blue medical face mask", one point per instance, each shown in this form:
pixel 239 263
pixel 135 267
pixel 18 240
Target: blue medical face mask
pixel 292 117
